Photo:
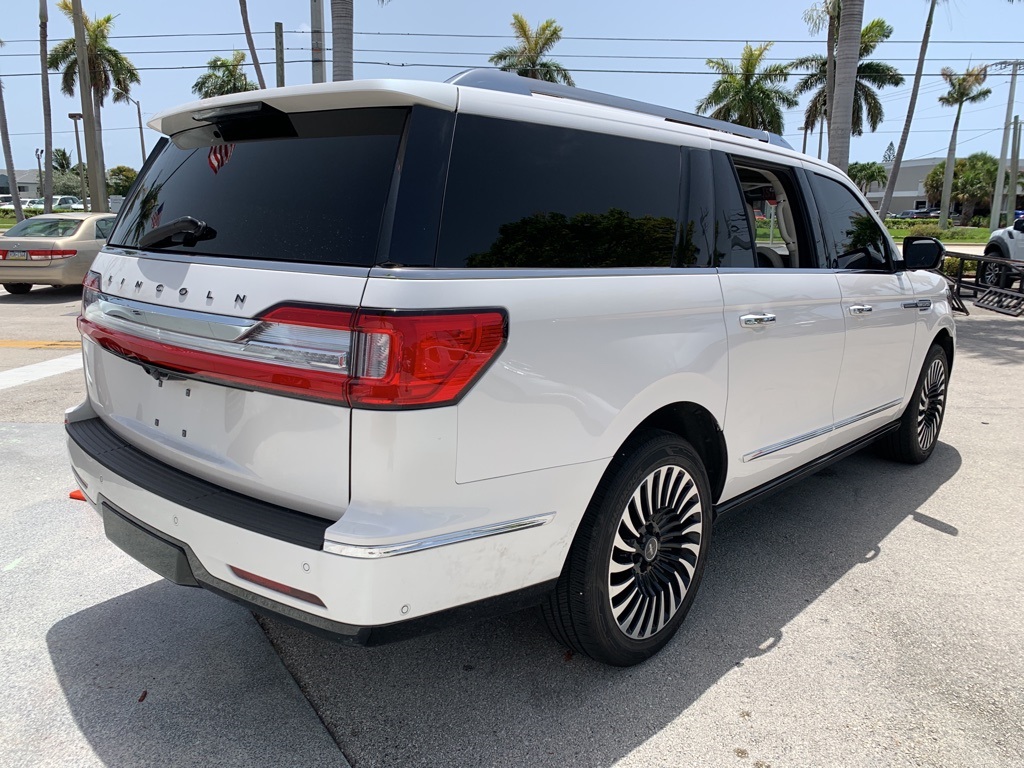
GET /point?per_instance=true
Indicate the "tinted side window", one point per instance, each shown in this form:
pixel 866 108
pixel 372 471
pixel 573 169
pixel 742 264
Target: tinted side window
pixel 853 240
pixel 103 227
pixel 734 244
pixel 527 196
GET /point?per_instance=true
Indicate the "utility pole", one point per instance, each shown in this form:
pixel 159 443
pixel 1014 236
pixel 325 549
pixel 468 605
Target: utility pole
pixel 1011 198
pixel 997 198
pixel 316 23
pixel 97 182
pixel 75 117
pixel 138 110
pixel 279 52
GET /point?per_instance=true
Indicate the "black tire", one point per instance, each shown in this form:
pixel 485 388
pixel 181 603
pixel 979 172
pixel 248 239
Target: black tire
pixel 994 275
pixel 620 597
pixel 17 288
pixel 921 422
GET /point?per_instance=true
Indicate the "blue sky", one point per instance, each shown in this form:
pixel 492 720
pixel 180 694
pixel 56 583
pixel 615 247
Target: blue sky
pixel 965 32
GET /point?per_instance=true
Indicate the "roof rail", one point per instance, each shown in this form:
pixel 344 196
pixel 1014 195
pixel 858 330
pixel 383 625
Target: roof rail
pixel 498 80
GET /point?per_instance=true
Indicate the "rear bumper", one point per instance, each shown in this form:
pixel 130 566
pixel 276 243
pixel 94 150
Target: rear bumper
pixel 56 272
pixel 196 534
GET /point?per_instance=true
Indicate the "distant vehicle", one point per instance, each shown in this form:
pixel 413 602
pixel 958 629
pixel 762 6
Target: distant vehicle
pixel 36 204
pixel 918 214
pixel 51 249
pixel 64 201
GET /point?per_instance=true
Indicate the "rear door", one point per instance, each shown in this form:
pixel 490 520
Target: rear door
pixel 785 330
pixel 221 344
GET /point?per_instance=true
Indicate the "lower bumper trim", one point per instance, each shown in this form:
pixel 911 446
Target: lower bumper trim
pixel 175 561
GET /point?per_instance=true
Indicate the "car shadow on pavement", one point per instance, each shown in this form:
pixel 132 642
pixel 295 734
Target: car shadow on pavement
pixel 990 336
pixel 41 296
pixel 505 693
pixel 165 675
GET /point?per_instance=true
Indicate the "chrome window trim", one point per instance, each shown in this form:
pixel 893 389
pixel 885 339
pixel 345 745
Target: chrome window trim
pixel 432 273
pixel 776 447
pixel 377 551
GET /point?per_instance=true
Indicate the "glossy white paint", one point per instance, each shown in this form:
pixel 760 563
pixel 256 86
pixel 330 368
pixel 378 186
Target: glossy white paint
pixel 875 362
pixel 782 376
pixel 589 357
pixel 233 437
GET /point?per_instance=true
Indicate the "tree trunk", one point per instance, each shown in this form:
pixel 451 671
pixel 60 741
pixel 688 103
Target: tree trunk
pixel 806 128
pixel 830 64
pixel 12 179
pixel 97 106
pixel 947 176
pixel 47 116
pixel 341 39
pixel 905 136
pixel 967 213
pixel 243 7
pixel 821 135
pixel 840 118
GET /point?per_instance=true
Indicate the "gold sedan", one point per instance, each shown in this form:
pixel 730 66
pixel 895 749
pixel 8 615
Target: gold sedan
pixel 52 249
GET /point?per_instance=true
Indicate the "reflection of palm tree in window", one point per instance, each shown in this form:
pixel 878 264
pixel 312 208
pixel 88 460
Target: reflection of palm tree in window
pixel 149 197
pixel 584 240
pixel 861 238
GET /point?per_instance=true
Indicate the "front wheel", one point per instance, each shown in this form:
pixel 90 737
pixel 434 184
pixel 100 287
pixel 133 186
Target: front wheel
pixel 637 560
pixel 17 288
pixel 918 433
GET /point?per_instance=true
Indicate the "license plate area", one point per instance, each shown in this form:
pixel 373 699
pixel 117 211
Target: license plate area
pixel 17 255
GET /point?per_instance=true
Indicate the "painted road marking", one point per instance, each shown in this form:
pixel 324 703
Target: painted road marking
pixel 29 373
pixel 23 344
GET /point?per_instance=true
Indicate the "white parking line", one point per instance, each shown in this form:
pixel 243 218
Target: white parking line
pixel 28 373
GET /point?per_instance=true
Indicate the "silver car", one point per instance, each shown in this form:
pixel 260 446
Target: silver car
pixel 54 249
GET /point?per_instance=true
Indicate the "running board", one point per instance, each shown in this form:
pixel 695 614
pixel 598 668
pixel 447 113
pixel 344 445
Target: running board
pixel 762 492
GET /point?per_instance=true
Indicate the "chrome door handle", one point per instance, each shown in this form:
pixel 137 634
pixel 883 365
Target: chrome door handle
pixel 860 309
pixel 754 321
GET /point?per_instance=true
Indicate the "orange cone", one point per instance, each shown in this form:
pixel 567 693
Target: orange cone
pixel 77 495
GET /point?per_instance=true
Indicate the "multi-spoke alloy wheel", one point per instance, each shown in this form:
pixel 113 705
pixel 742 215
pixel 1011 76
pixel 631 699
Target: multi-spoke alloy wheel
pixel 655 552
pixel 931 401
pixel 918 432
pixel 635 565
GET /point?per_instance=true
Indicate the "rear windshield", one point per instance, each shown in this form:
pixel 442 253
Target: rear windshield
pixel 307 187
pixel 39 226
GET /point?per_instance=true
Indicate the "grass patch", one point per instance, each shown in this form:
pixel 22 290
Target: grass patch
pixel 978 235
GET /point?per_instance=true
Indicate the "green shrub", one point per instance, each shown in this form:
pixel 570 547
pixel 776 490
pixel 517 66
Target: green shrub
pixel 950 266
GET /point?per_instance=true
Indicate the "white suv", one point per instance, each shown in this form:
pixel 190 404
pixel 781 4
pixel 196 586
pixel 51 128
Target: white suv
pixel 536 344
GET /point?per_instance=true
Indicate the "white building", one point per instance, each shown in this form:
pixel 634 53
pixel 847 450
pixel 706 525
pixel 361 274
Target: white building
pixel 909 193
pixel 28 184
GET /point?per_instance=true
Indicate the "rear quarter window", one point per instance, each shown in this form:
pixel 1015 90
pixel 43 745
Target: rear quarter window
pixel 522 195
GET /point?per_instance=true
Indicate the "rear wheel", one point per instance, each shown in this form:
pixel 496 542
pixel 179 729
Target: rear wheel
pixel 921 422
pixel 17 288
pixel 994 275
pixel 637 560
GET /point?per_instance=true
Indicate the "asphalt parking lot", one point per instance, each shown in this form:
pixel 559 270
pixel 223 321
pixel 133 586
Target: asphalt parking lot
pixel 866 617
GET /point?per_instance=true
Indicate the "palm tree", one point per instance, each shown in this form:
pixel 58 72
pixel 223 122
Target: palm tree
pixel 244 8
pixel 110 70
pixel 866 174
pixel 5 138
pixel 526 57
pixel 963 89
pixel 870 75
pixel 822 15
pixel 341 38
pixel 225 76
pixel 840 118
pixel 749 95
pixel 905 136
pixel 47 190
pixel 61 160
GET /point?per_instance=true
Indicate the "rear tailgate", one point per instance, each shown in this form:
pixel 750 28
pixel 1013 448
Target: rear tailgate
pixel 288 448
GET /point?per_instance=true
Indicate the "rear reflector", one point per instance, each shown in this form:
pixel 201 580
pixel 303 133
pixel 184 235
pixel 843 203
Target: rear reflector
pixel 277 586
pixel 364 359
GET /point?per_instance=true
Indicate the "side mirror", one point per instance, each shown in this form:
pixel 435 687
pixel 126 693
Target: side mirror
pixel 922 252
pixel 1018 225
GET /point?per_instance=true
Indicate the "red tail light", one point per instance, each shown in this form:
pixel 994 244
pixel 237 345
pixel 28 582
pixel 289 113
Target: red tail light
pixel 366 359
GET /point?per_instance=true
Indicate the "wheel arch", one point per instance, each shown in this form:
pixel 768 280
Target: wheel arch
pixel 698 426
pixel 945 340
pixel 997 245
